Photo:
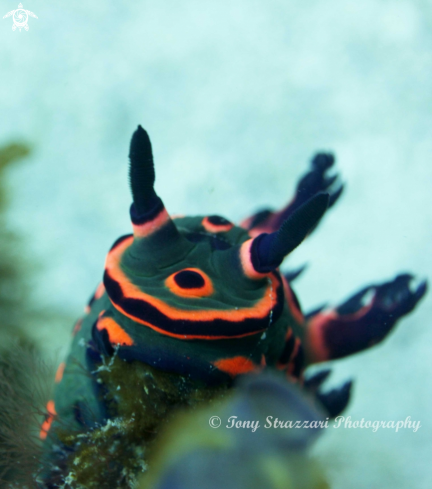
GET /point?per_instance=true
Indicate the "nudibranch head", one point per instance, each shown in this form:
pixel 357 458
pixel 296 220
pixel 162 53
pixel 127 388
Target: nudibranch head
pixel 196 278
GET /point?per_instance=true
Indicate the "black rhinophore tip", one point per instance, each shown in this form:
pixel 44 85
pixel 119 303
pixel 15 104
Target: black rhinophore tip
pixel 421 290
pixel 269 250
pixel 317 379
pixel 337 399
pixel 291 275
pixel 141 172
pixel 323 161
pixel 335 195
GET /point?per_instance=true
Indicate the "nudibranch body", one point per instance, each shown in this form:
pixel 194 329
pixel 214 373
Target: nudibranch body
pixel 199 301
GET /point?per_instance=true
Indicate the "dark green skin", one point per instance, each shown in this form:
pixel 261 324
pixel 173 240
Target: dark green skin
pixel 191 358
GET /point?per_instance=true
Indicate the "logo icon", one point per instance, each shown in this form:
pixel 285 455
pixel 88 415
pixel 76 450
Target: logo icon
pixel 215 422
pixel 20 17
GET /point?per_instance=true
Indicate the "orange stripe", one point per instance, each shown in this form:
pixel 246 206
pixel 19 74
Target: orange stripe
pixel 59 373
pixel 130 291
pixel 51 408
pixel 317 324
pixel 214 228
pixel 185 336
pixel 246 262
pixel 235 366
pixel 144 230
pixel 116 334
pixel 46 425
pixel 204 291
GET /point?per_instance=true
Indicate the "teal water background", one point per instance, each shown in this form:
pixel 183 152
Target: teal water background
pixel 237 96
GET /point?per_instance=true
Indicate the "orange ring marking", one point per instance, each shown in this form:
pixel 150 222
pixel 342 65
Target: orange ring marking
pixel 214 228
pixel 144 230
pixel 204 291
pixel 246 262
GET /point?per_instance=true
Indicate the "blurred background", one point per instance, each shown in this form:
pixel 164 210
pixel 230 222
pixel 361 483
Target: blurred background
pixel 237 97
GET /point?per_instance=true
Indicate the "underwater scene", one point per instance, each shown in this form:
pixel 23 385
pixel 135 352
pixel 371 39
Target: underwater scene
pixel 215 245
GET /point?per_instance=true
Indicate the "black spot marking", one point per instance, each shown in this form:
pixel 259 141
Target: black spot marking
pixel 218 221
pixel 188 279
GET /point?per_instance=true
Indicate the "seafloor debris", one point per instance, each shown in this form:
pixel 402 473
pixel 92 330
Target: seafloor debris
pixel 257 437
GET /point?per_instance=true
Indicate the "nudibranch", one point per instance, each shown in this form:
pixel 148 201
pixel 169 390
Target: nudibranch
pixel 186 305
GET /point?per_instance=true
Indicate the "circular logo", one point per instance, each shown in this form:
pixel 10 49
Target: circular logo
pixel 215 422
pixel 20 17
